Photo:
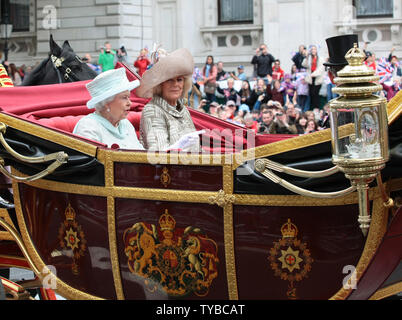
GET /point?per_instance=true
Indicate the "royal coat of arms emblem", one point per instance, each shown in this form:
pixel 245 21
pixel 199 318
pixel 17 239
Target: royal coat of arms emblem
pixel 72 237
pixel 289 258
pixel 179 261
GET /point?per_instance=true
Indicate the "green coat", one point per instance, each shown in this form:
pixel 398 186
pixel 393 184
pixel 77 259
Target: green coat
pixel 106 60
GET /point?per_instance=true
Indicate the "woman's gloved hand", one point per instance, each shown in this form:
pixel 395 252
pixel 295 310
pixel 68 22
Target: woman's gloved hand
pixel 187 141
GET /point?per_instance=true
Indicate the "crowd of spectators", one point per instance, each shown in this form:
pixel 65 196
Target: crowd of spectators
pixel 274 101
pixel 270 100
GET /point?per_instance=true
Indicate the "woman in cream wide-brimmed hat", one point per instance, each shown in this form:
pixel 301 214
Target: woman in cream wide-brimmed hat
pixel 110 92
pixel 166 123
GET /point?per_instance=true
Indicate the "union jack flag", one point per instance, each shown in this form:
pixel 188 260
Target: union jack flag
pixel 197 75
pixel 384 70
pixel 300 75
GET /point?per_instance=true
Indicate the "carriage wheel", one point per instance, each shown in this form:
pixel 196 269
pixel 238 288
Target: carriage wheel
pixel 14 291
pixel 26 290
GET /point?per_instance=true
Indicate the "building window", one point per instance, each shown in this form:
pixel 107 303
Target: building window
pixel 222 41
pixel 235 11
pixel 373 8
pixel 247 41
pixel 15 12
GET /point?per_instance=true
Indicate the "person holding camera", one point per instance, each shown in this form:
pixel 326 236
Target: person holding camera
pixel 241 74
pixel 230 93
pixel 393 59
pixel 370 60
pixel 107 57
pixel 282 124
pixel 311 127
pixel 263 61
pixel 215 109
pixel 276 92
pixel 267 125
pixel 122 55
pixel 324 121
pixel 299 56
pixel 292 113
pixel 259 95
pixel 142 62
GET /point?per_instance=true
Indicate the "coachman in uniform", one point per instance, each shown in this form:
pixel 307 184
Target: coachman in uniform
pixel 5 80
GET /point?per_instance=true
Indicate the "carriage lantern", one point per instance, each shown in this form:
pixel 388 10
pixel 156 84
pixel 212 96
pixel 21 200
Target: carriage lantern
pixel 359 128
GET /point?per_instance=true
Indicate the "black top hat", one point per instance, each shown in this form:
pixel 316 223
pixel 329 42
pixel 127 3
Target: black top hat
pixel 338 47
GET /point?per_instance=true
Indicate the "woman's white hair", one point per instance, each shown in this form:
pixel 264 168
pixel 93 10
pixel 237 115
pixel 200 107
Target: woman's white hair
pixel 102 104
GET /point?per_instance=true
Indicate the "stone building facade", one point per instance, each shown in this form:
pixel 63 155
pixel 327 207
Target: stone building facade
pixel 230 30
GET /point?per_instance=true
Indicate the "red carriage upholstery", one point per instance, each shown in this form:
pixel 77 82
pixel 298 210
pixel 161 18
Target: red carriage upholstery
pixel 61 106
pixel 67 123
pixel 57 106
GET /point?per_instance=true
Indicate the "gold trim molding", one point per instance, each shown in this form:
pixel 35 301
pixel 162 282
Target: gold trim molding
pixel 114 257
pixel 387 291
pixel 228 228
pixel 229 252
pixel 376 233
pixel 49 134
pixel 164 158
pixel 221 199
pixel 61 287
pixel 5 235
pixel 201 196
pixel 394 108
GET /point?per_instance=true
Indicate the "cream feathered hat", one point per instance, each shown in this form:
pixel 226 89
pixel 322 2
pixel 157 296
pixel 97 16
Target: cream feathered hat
pixel 167 66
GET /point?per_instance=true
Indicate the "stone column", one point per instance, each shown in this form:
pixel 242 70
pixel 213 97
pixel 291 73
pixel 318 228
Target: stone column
pixel 396 33
pixel 270 18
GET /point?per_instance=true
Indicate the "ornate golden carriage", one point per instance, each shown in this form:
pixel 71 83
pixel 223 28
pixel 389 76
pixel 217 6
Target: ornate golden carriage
pixel 99 223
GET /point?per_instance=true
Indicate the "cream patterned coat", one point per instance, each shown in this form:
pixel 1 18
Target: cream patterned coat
pixel 162 125
pixel 318 74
